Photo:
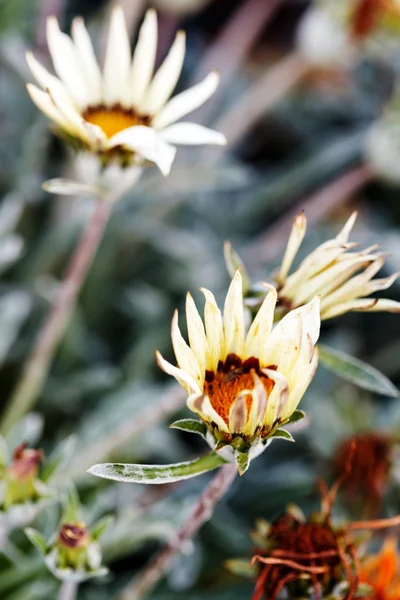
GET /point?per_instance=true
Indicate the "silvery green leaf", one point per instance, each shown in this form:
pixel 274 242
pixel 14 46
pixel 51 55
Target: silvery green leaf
pixel 67 187
pixel 298 415
pixel 241 567
pixel 36 539
pixel 10 250
pixel 157 474
pixel 356 371
pixel 72 506
pixel 191 426
pixel 242 460
pixel 99 528
pixel 283 434
pixel 59 458
pixel 79 576
pixel 14 308
pixel 233 263
pixel 10 212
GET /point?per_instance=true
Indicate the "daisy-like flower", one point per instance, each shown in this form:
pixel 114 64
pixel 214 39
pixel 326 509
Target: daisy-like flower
pixel 122 113
pixel 382 572
pixel 244 387
pixel 342 278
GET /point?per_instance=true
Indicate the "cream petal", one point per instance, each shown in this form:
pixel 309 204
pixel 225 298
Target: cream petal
pixel 67 64
pixel 143 59
pixel 183 378
pixel 361 305
pixel 42 76
pixel 260 329
pixel 295 239
pixel 214 331
pixel 196 333
pixel 300 385
pixel 63 103
pixel 47 106
pixel 238 412
pixel 278 398
pixel 166 78
pixel 343 235
pixel 84 47
pixel 377 285
pixel 234 317
pixel 187 101
pixel 184 356
pixel 258 407
pixel 201 405
pixel 147 143
pixel 191 134
pixel 117 60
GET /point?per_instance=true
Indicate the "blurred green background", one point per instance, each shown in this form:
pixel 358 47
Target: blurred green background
pixel 164 238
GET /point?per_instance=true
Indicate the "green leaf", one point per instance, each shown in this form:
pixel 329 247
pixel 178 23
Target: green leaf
pixel 36 539
pixel 298 415
pixel 191 426
pixel 157 474
pixel 241 567
pixel 242 460
pixel 72 507
pixel 99 528
pixel 283 434
pixel 356 371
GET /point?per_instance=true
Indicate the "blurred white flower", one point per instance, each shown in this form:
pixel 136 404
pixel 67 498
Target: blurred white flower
pixel 123 113
pixel 343 279
pixel 244 387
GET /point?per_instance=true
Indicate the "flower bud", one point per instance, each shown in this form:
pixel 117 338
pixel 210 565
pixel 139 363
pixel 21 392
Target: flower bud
pixel 21 476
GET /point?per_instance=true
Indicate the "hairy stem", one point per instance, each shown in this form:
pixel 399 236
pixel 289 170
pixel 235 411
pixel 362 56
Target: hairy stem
pixel 37 367
pixel 202 512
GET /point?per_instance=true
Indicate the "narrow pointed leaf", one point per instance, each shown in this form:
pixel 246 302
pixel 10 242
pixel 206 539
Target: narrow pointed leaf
pixel 191 426
pixel 157 474
pixel 72 509
pixel 283 434
pixel 36 539
pixel 356 371
pixel 242 460
pixel 298 415
pixel 99 528
pixel 241 567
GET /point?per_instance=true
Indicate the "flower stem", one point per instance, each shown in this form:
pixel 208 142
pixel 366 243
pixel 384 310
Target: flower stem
pixel 68 590
pixel 37 367
pixel 202 511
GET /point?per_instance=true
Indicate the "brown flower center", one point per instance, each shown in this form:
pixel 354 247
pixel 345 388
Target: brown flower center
pixel 114 119
pixel 231 378
pixel 73 535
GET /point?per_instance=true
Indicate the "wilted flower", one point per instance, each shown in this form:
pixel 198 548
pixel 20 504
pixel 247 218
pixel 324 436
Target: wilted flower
pixel 244 387
pixel 342 278
pixel 20 481
pixel 370 466
pixel 122 114
pixel 382 572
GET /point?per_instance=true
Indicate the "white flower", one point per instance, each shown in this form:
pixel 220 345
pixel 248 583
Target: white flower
pixel 343 279
pixel 244 386
pixel 123 112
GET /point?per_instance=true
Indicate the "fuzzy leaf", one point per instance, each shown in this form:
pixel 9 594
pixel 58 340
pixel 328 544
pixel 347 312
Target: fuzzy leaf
pixel 157 474
pixel 283 434
pixel 241 567
pixel 356 371
pixel 36 539
pixel 72 507
pixel 298 415
pixel 242 460
pixel 191 426
pixel 99 528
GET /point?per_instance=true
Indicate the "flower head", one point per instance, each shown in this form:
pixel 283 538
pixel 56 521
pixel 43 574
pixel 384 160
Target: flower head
pixel 382 572
pixel 244 386
pixel 123 113
pixel 21 477
pixel 341 277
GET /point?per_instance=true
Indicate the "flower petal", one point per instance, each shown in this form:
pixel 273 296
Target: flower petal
pixel 191 134
pixel 200 404
pixel 118 59
pixel 196 333
pixel 166 78
pixel 260 329
pixel 147 143
pixel 187 101
pixel 89 63
pixel 234 317
pixel 214 331
pixel 67 64
pixel 143 59
pixel 343 236
pixel 361 305
pixel 183 378
pixel 238 412
pixel 258 407
pixel 278 398
pixel 47 106
pixel 184 355
pixel 295 239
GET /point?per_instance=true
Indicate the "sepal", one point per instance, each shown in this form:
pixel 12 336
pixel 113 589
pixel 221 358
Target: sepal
pixel 191 426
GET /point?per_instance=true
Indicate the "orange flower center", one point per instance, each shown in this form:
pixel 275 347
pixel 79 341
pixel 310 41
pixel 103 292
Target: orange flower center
pixel 233 377
pixel 114 119
pixel 381 572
